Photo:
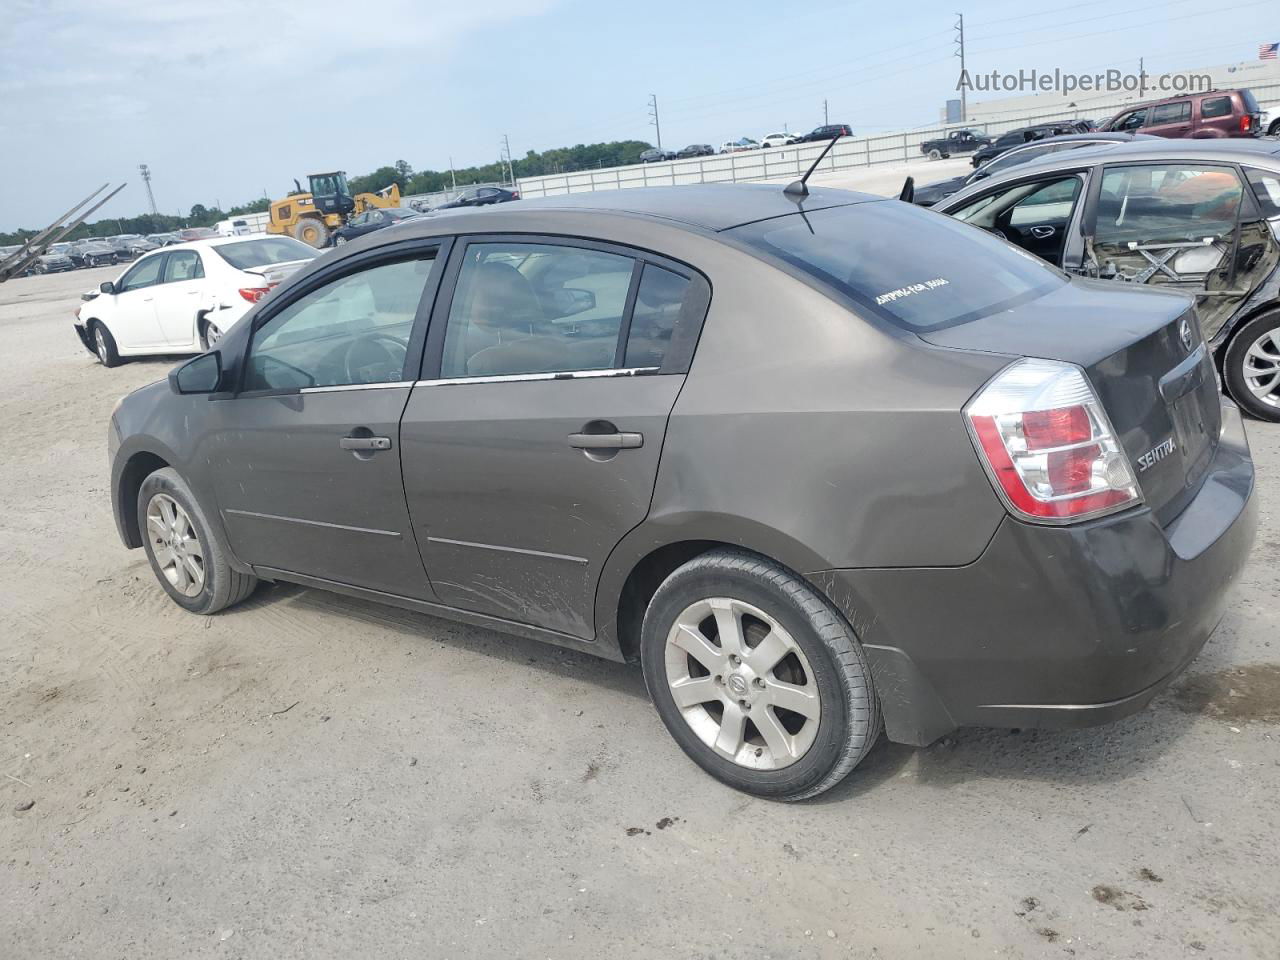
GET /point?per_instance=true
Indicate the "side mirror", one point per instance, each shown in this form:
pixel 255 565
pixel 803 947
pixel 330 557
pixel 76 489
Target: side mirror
pixel 572 300
pixel 201 375
pixel 107 286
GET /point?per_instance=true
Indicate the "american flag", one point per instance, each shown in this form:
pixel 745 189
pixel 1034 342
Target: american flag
pixel 1267 51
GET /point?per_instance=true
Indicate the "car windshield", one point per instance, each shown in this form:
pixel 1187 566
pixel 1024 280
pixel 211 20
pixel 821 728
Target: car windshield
pixel 857 249
pixel 248 254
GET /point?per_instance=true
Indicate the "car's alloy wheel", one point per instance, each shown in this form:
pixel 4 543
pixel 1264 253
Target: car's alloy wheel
pixel 935 154
pixel 742 684
pixel 101 343
pixel 175 545
pixel 211 334
pixel 1261 368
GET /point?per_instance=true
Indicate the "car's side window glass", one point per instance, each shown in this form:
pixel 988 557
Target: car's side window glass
pixel 1132 121
pixel 145 273
pixel 1266 187
pixel 1176 112
pixel 522 308
pixel 183 265
pixel 1167 203
pixel 354 330
pixel 1215 107
pixel 659 300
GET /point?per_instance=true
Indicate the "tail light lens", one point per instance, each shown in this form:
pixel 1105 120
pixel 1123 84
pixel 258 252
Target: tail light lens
pixel 1245 122
pixel 254 294
pixel 1048 444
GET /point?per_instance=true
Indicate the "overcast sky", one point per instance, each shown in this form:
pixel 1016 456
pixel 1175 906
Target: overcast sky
pixel 226 99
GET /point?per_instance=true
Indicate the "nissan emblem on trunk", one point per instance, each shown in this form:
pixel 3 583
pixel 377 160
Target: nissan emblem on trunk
pixel 1184 331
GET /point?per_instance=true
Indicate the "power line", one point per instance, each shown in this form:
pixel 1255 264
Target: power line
pixel 1106 16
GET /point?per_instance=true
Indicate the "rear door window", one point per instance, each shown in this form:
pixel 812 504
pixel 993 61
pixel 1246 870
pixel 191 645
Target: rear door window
pixel 857 251
pixel 183 265
pixel 660 298
pixel 1266 187
pixel 1177 112
pixel 530 308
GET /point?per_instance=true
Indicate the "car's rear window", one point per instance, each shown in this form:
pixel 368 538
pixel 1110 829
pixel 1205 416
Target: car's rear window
pixel 916 269
pixel 1250 102
pixel 248 254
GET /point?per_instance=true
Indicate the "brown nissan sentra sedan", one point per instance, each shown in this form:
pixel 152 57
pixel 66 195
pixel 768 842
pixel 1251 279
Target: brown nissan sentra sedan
pixel 820 463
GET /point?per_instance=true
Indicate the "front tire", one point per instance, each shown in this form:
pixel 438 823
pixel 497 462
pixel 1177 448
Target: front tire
pixel 935 154
pixel 757 677
pixel 1251 366
pixel 185 556
pixel 312 231
pixel 104 345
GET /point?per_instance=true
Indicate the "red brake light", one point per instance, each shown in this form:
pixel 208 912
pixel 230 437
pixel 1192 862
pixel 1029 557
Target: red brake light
pixel 1048 444
pixel 254 294
pixel 1245 122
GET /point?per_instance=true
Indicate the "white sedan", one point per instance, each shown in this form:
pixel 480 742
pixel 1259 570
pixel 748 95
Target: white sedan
pixel 183 298
pixel 779 139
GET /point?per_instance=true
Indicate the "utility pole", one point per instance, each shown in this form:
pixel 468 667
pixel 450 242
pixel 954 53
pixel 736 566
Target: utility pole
pixel 825 119
pixel 146 179
pixel 653 117
pixel 453 176
pixel 506 154
pixel 964 100
pixel 1142 77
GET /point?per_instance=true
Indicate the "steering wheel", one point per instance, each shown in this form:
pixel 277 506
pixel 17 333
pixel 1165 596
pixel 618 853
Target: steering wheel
pixel 370 351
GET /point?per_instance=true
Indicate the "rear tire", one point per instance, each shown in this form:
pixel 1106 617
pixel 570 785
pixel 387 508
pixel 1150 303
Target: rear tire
pixel 311 231
pixel 105 345
pixel 1251 366
pixel 735 716
pixel 188 560
pixel 935 154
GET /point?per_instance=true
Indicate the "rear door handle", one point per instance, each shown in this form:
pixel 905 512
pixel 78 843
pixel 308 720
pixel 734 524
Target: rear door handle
pixel 606 441
pixel 365 443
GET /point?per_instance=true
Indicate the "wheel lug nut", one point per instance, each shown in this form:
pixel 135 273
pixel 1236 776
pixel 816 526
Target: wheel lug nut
pixel 719 679
pixel 758 682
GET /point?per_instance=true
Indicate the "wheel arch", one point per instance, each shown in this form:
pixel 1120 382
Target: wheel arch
pixel 124 493
pixel 652 551
pixel 1228 332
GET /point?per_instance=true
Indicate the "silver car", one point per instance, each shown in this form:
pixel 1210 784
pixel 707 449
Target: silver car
pixel 1198 216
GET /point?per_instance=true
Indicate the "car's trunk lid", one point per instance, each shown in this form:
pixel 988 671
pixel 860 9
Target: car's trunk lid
pixel 275 273
pixel 1146 359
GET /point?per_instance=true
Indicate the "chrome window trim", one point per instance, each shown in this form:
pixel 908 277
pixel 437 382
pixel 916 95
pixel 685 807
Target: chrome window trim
pixel 390 385
pixel 560 375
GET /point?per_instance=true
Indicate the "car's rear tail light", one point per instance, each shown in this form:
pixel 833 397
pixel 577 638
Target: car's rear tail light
pixel 1048 444
pixel 1245 122
pixel 254 294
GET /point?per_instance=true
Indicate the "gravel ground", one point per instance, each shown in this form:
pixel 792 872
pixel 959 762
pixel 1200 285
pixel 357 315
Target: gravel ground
pixel 313 776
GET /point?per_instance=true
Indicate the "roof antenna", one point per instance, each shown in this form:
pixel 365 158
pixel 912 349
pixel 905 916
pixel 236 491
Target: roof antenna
pixel 797 188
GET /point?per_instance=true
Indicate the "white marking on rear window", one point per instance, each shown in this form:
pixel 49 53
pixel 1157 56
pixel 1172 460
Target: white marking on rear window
pixel 910 290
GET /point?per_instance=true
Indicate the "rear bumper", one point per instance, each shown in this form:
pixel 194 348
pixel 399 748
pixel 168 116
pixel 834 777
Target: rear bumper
pixel 1055 626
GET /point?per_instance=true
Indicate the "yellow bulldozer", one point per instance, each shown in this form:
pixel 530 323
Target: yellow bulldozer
pixel 310 215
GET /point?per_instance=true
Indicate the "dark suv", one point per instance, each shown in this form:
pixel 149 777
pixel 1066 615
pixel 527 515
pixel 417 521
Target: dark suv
pixel 957 141
pixel 828 131
pixel 1016 138
pixel 1217 113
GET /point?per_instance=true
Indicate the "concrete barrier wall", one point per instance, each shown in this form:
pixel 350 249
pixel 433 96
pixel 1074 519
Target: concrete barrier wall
pixel 781 162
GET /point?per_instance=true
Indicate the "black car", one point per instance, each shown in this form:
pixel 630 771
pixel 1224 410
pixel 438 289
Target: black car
pixel 828 131
pixel 931 193
pixel 695 150
pixel 372 219
pixel 92 253
pixel 957 141
pixel 1016 138
pixel 481 197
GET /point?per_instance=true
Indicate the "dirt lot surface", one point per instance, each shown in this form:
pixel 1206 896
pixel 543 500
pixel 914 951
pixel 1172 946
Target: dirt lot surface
pixel 312 776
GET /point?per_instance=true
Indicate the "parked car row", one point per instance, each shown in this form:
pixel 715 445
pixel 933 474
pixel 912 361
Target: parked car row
pixel 1046 459
pixel 825 132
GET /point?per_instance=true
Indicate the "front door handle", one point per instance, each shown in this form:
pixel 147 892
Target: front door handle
pixel 1042 232
pixel 606 441
pixel 365 443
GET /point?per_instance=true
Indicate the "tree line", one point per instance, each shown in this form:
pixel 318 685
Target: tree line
pixel 588 156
